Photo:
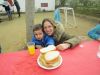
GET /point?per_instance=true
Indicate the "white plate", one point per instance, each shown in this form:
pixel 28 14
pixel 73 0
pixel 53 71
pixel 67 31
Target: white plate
pixel 50 68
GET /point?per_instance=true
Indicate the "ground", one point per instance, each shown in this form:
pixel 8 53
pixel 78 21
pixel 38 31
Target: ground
pixel 13 33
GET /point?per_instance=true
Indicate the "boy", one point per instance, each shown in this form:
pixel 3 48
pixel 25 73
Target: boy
pixel 40 39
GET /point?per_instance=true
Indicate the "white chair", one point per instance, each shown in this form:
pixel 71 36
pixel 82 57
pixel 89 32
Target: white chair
pixel 66 9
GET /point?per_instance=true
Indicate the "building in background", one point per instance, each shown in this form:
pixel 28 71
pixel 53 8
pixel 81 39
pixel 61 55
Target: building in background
pixel 47 5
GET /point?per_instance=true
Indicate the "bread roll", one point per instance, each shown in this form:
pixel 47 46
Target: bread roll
pixel 47 49
pixel 51 57
pixel 43 62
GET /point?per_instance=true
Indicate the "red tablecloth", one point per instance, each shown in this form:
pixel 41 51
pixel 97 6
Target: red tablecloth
pixel 81 60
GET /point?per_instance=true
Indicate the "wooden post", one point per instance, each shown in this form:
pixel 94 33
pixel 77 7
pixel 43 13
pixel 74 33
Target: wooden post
pixel 30 9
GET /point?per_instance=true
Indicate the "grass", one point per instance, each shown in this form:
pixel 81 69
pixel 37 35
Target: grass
pixel 13 33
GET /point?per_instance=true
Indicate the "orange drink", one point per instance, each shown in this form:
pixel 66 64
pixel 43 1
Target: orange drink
pixel 31 48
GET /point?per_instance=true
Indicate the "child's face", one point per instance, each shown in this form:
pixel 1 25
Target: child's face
pixel 38 34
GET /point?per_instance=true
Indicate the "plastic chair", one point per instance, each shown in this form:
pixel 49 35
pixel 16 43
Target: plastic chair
pixel 66 9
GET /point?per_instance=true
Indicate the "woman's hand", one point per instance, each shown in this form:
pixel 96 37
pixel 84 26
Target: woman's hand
pixel 63 46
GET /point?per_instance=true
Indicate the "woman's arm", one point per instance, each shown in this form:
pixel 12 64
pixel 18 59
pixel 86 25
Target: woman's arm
pixel 64 40
pixel 72 40
pixel 63 46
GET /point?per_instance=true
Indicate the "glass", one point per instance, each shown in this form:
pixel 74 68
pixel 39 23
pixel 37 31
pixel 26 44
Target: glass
pixel 98 53
pixel 31 48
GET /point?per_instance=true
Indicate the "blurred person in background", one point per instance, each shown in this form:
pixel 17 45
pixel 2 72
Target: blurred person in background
pixel 17 7
pixel 94 33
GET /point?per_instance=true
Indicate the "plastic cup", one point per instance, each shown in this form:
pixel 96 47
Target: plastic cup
pixel 31 48
pixel 98 53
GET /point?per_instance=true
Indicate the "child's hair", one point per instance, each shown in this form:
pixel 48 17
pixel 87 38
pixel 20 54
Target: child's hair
pixel 37 27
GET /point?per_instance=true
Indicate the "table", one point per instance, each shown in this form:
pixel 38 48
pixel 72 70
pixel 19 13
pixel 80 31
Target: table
pixel 81 60
pixel 66 9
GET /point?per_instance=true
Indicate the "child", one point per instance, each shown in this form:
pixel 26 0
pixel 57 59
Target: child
pixel 40 39
pixel 7 7
pixel 94 33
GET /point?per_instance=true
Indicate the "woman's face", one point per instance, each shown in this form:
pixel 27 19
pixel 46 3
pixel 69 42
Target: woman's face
pixel 48 28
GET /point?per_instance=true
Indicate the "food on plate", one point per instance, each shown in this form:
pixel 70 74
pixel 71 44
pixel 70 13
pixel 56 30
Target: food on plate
pixel 50 59
pixel 49 48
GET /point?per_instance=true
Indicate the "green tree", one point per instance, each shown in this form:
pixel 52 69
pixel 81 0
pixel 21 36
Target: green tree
pixel 74 3
pixel 85 3
pixel 63 2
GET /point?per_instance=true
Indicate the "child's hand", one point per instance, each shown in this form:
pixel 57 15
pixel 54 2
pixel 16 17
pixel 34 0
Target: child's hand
pixel 39 46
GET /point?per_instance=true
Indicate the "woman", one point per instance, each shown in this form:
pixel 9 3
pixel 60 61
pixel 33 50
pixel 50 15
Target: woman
pixel 63 40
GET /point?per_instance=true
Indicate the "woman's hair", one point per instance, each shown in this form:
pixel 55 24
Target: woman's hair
pixel 50 21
